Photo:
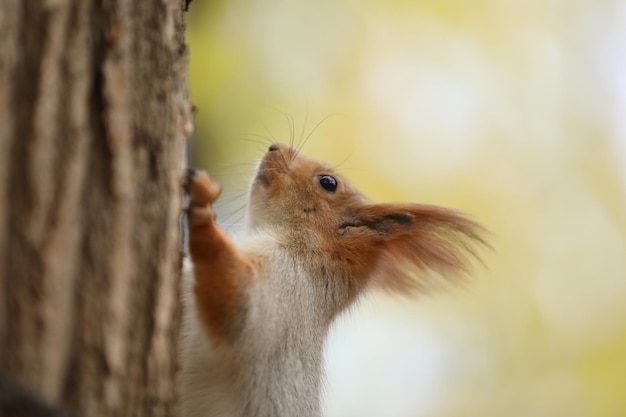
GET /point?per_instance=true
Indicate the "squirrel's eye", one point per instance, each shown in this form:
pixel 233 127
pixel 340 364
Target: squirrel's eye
pixel 328 183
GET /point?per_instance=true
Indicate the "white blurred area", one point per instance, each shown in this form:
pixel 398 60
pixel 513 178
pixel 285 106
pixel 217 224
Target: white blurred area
pixel 512 111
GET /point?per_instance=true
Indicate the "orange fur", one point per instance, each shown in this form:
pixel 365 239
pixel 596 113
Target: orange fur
pixel 221 271
pixel 312 245
pixel 382 245
pixel 395 240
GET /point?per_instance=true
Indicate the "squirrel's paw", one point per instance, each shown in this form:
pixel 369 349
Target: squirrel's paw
pixel 203 191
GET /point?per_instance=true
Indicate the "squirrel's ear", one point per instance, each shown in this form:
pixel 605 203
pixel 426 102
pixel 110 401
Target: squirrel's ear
pixel 401 242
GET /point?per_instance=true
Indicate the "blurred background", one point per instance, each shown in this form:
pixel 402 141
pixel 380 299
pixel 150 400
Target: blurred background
pixel 513 111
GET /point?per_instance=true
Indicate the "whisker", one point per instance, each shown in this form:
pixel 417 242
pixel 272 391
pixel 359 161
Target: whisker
pixel 272 169
pixel 241 164
pixel 274 141
pixel 269 132
pixel 224 201
pixel 311 133
pixel 336 167
pixel 292 133
pixel 234 213
pixel 306 119
pixel 291 126
pixel 225 169
pixel 266 141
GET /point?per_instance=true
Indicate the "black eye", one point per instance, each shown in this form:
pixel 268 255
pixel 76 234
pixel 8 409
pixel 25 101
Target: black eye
pixel 328 183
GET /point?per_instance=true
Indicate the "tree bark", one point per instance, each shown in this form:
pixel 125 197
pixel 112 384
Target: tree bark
pixel 94 112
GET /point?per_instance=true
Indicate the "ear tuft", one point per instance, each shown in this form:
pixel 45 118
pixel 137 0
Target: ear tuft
pixel 412 245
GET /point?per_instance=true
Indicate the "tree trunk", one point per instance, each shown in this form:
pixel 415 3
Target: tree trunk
pixel 93 118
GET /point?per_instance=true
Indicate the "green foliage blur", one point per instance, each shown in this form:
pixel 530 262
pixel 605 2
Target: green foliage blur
pixel 511 111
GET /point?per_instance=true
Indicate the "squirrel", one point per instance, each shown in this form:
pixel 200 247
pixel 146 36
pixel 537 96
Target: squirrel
pixel 257 309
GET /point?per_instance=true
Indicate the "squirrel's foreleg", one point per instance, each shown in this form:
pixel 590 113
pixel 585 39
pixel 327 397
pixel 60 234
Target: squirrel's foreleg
pixel 221 271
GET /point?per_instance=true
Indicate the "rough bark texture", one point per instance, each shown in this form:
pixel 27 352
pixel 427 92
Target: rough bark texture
pixel 93 116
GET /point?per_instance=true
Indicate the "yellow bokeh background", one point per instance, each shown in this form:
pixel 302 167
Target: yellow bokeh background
pixel 512 111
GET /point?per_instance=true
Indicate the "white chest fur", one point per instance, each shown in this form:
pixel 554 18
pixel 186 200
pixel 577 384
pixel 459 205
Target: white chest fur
pixel 274 367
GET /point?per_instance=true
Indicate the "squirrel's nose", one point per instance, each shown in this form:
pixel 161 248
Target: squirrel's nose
pixel 273 147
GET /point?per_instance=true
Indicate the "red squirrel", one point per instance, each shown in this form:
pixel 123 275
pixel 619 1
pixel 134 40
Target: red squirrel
pixel 258 308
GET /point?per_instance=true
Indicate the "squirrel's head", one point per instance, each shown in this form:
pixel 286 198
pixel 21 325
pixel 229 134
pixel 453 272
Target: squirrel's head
pixel 295 191
pixel 382 243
